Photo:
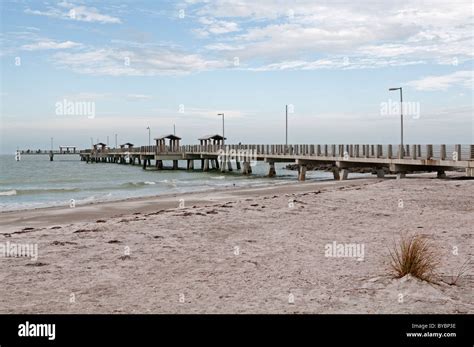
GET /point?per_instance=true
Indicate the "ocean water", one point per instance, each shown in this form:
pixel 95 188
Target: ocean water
pixel 35 182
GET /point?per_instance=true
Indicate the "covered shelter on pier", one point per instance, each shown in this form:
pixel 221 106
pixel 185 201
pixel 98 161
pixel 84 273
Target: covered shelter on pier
pixel 67 149
pixel 173 144
pixel 215 139
pixel 100 146
pixel 126 145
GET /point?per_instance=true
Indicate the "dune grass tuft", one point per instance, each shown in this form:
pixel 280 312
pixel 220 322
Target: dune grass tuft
pixel 414 255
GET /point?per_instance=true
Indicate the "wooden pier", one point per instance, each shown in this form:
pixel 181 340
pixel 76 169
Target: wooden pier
pixel 63 150
pixel 212 154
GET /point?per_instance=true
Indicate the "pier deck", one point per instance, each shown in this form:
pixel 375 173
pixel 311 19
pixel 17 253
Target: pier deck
pixel 397 159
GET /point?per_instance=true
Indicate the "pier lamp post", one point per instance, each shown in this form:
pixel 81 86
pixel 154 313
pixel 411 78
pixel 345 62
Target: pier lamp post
pixel 149 136
pixel 115 140
pixel 286 125
pixel 223 136
pixel 401 116
pixel 51 144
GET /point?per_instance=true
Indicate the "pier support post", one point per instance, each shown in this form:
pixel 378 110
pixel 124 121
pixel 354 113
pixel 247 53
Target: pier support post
pixel 247 170
pixel 190 164
pixel 144 163
pixel 223 164
pixel 380 173
pixel 175 165
pixel 470 171
pixel 202 164
pixel 206 165
pixel 400 170
pixel 213 163
pixel 401 175
pixel 51 156
pixel 335 173
pixel 229 165
pixel 216 163
pixel 302 173
pixel 159 164
pixel 441 174
pixel 271 170
pixel 344 174
pixel 237 164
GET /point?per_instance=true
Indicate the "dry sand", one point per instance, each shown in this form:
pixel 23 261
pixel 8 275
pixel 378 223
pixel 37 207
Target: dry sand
pixel 243 251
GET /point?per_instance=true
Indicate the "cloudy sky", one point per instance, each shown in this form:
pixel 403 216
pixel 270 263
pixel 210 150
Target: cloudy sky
pixel 164 63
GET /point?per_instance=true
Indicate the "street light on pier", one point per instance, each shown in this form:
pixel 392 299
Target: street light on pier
pixel 401 117
pixel 223 136
pixel 149 136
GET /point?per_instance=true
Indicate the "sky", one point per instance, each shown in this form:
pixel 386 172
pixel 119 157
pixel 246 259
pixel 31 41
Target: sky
pixel 82 71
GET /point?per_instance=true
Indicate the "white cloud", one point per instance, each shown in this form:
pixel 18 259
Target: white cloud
pixel 334 63
pixel 444 82
pixel 136 62
pixel 275 32
pixel 138 97
pixel 66 10
pixel 215 27
pixel 49 44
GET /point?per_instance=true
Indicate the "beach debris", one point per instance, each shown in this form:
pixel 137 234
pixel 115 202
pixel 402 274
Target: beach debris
pixel 56 227
pixel 36 264
pixel 185 214
pixel 100 221
pixel 114 241
pixel 86 231
pixel 155 213
pixel 63 243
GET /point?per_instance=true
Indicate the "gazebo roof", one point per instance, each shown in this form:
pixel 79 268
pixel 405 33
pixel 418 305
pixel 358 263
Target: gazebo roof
pixel 170 136
pixel 100 144
pixel 127 144
pixel 212 137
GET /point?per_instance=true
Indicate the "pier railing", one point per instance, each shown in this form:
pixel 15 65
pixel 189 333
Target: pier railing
pixel 412 151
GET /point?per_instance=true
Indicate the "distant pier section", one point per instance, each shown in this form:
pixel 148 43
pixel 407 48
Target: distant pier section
pixel 63 150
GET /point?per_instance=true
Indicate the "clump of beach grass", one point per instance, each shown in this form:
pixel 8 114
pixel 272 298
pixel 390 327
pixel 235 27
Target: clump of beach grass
pixel 414 255
pixel 459 274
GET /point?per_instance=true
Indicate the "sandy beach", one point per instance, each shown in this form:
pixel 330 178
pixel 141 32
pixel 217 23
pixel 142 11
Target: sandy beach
pixel 243 251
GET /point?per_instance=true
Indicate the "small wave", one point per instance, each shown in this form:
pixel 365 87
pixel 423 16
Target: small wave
pixel 8 193
pixel 39 191
pixel 136 184
pixel 218 177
